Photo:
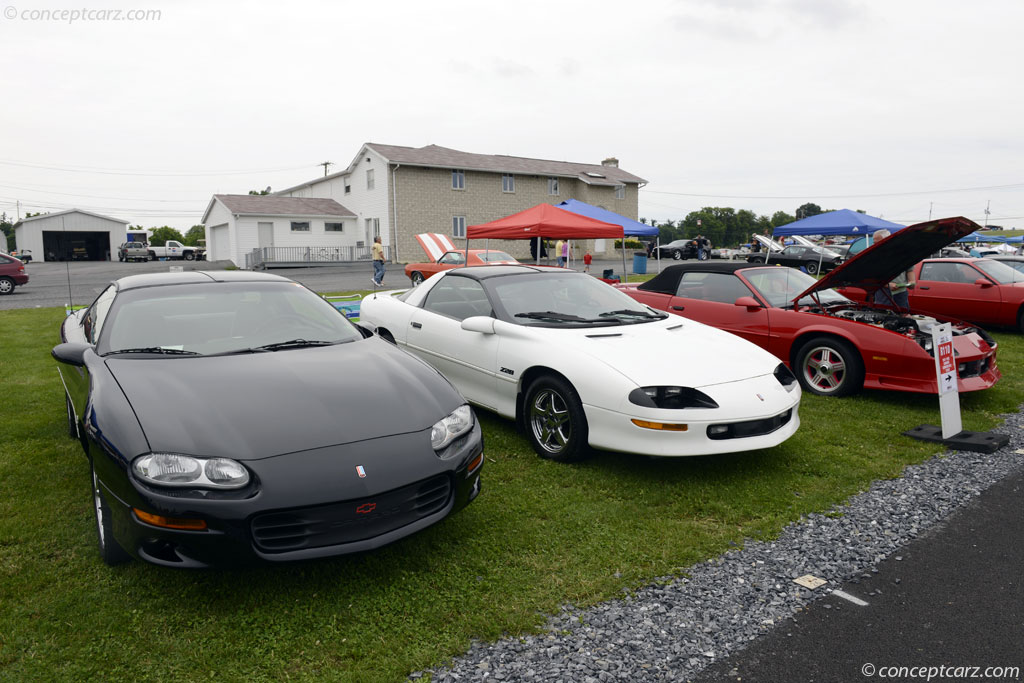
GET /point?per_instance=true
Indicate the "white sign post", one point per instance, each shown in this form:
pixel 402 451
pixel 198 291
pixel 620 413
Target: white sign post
pixel 945 373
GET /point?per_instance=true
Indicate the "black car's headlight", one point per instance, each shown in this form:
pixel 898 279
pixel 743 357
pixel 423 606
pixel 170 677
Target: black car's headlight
pixel 785 376
pixel 170 469
pixel 671 398
pixel 447 429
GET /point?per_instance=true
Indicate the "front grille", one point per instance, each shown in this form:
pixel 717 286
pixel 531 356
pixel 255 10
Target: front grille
pixel 351 520
pixel 739 430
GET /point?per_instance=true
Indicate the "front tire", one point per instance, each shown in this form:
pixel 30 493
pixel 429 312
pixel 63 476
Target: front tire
pixel 110 551
pixel 555 422
pixel 6 285
pixel 417 278
pixel 677 254
pixel 72 422
pixel 829 367
pixel 151 256
pixel 189 256
pixel 812 268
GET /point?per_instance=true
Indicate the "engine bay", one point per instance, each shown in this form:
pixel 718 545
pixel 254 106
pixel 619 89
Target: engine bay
pixel 904 323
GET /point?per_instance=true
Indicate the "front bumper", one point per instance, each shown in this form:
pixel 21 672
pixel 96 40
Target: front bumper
pixel 305 505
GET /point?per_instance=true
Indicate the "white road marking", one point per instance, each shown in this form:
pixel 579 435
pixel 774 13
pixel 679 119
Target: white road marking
pixel 847 596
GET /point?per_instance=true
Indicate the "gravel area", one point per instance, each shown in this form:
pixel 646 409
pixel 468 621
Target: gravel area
pixel 674 628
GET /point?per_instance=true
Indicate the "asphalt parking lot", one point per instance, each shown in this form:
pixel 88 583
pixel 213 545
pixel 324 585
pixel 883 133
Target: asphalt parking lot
pixel 55 284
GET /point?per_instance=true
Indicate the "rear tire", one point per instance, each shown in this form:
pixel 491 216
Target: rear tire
pixel 555 422
pixel 812 268
pixel 6 285
pixel 417 278
pixel 110 551
pixel 829 367
pixel 151 256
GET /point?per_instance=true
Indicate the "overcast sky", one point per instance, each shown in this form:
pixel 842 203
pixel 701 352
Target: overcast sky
pixel 896 107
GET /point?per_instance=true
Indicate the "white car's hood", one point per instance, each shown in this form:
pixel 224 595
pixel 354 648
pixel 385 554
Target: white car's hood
pixel 672 351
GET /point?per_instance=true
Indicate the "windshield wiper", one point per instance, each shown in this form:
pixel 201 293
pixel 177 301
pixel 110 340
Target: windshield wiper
pixel 564 317
pixel 292 344
pixel 157 349
pixel 635 313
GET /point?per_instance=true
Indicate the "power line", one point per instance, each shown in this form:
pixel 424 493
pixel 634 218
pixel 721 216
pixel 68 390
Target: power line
pixel 835 196
pixel 91 196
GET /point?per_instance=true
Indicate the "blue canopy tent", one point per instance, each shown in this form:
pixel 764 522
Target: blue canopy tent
pixel 630 227
pixel 976 237
pixel 841 222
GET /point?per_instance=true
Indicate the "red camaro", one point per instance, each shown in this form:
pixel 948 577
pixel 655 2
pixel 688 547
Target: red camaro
pixel 981 290
pixel 834 345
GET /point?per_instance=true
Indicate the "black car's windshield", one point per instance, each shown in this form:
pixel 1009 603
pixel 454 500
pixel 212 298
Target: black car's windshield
pixel 221 318
pixel 1000 272
pixel 566 298
pixel 779 286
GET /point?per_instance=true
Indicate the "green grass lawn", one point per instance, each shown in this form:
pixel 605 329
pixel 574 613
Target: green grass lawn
pixel 539 536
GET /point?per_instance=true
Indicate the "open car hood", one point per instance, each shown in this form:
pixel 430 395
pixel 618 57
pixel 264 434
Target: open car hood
pixel 884 260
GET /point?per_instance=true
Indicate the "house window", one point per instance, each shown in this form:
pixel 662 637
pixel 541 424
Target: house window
pixel 334 227
pixel 552 185
pixel 369 179
pixel 300 226
pixel 348 188
pixel 458 226
pixel 508 182
pixel 458 180
pixel 372 228
pixel 620 191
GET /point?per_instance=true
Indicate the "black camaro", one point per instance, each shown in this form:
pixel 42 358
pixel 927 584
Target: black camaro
pixel 232 416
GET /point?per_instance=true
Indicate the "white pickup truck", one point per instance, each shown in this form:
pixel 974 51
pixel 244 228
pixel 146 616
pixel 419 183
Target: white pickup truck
pixel 176 250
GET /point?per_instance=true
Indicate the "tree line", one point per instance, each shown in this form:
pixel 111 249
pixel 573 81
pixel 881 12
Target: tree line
pixel 727 227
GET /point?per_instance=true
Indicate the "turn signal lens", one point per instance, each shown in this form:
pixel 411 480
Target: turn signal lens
pixel 663 426
pixel 170 522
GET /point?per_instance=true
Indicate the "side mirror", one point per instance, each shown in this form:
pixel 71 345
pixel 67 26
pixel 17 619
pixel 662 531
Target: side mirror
pixel 749 302
pixel 71 353
pixel 479 323
pixel 983 283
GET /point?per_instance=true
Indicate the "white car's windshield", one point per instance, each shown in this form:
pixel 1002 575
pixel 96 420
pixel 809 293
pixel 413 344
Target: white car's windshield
pixel 543 298
pixel 779 286
pixel 219 318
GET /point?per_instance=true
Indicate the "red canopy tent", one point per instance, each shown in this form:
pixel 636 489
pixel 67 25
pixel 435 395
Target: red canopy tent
pixel 547 222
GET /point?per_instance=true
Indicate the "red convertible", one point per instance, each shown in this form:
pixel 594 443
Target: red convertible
pixel 834 345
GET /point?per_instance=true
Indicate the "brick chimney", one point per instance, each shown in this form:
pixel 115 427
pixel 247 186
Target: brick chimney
pixel 611 161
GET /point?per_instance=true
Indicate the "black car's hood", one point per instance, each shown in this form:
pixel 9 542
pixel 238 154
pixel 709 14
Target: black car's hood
pixel 884 260
pixel 258 405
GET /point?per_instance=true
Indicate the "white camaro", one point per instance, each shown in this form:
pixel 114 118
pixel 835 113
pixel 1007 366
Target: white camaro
pixel 581 364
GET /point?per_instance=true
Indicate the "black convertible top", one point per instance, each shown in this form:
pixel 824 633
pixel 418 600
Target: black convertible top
pixel 667 281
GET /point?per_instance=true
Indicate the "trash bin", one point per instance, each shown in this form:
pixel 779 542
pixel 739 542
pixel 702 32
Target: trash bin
pixel 639 263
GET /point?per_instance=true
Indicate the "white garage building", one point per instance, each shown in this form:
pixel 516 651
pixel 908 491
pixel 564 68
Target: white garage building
pixel 72 235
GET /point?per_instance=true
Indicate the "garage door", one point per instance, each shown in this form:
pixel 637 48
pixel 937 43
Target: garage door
pixel 76 246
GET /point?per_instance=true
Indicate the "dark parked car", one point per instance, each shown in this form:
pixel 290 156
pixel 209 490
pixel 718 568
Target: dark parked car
pixel 810 258
pixel 133 251
pixel 12 274
pixel 232 416
pixel 678 250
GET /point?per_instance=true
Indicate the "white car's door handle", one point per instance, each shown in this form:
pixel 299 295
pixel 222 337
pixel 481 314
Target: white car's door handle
pixel 417 325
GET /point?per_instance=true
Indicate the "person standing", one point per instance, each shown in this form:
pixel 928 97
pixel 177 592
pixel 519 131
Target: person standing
pixel 587 260
pixel 559 247
pixel 378 261
pixel 895 292
pixel 566 250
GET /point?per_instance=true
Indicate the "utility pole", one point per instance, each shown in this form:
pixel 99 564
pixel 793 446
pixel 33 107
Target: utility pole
pixel 325 165
pixel 930 210
pixel 987 205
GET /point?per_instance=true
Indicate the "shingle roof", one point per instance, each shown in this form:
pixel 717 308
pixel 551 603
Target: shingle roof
pixel 433 155
pixel 272 205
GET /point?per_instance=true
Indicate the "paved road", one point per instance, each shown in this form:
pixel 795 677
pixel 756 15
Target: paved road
pixel 48 282
pixel 954 597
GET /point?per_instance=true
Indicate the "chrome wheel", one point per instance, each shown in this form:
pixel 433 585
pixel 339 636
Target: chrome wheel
pixel 6 285
pixel 417 278
pixel 830 367
pixel 555 422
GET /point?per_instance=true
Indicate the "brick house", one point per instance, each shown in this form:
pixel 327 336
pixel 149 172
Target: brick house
pixel 398 192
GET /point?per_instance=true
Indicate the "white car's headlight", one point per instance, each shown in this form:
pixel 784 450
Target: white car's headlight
pixel 169 469
pixel 450 428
